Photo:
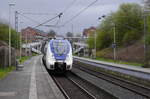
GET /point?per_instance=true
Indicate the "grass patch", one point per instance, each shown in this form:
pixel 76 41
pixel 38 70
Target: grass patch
pixel 24 58
pixel 119 62
pixel 104 52
pixel 5 71
pixel 34 54
pixel 116 61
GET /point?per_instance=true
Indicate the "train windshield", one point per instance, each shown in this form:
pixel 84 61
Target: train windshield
pixel 60 47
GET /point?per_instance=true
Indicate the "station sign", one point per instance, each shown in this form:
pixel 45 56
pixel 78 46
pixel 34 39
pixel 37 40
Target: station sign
pixel 114 45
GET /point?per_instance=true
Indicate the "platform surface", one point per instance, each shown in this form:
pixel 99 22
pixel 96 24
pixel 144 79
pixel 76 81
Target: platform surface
pixel 32 82
pixel 135 71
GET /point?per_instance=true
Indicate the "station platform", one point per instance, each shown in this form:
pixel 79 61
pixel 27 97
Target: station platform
pixel 32 82
pixel 135 71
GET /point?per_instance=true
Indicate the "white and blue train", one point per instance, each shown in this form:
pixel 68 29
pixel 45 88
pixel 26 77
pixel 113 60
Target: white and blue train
pixel 58 55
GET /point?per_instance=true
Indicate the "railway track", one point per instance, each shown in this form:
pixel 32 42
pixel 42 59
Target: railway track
pixel 74 87
pixel 132 86
pixel 71 89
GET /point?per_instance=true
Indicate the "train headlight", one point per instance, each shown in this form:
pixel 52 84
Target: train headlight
pixel 67 57
pixel 51 57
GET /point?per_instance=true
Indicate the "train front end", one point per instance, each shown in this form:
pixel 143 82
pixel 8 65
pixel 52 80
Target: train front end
pixel 59 56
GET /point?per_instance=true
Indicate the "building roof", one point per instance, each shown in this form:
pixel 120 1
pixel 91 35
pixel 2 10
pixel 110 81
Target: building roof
pixel 35 31
pixel 88 31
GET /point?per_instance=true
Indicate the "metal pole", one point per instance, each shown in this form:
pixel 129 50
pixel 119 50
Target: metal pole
pixel 72 28
pixel 95 44
pixel 145 42
pixel 144 38
pixel 26 43
pixel 20 44
pixel 72 31
pixel 9 39
pixel 10 34
pixel 114 41
pixel 16 28
pixel 20 41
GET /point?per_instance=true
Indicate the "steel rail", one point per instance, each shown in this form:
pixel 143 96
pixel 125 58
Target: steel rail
pixel 105 77
pixel 91 62
pixel 61 88
pixel 83 89
pixel 75 84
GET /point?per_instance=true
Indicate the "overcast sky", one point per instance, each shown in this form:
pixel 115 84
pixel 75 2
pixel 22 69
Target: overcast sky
pixel 86 19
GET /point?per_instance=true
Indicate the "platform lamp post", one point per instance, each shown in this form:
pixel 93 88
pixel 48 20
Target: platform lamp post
pixel 26 43
pixel 10 5
pixel 20 40
pixel 146 45
pixel 95 35
pixel 146 11
pixel 114 43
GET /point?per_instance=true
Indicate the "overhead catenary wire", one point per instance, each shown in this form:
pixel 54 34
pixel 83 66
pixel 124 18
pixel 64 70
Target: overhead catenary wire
pixel 29 18
pixel 22 14
pixel 59 16
pixel 69 6
pixel 29 13
pixel 53 26
pixel 49 20
pixel 57 22
pixel 64 11
pixel 79 13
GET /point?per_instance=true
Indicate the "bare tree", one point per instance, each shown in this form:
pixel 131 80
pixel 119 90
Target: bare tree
pixel 51 33
pixel 69 34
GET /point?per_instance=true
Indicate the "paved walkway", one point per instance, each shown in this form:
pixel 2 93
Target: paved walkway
pixel 33 82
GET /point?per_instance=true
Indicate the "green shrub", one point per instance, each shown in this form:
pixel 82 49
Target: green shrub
pixel 103 40
pixel 90 41
pixel 128 24
pixel 130 37
pixel 148 39
pixel 5 71
pixel 4 35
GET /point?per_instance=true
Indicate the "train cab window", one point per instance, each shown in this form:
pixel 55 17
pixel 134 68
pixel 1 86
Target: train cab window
pixel 60 47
